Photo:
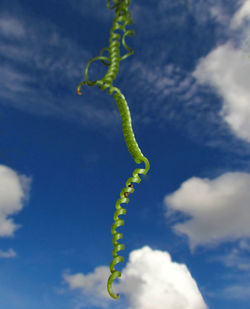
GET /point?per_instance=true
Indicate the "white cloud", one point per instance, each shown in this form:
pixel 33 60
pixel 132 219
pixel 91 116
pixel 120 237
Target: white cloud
pixel 7 254
pixel 91 283
pixel 14 190
pixel 227 68
pixel 149 280
pixel 224 69
pixel 219 208
pixel 152 280
pixel 242 14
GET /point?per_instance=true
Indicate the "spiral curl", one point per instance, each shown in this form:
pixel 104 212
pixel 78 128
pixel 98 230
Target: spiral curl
pixel 121 20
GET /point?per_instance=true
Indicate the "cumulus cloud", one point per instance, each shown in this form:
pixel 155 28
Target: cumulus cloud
pixel 225 71
pixel 219 208
pixel 14 191
pixel 150 280
pixel 90 283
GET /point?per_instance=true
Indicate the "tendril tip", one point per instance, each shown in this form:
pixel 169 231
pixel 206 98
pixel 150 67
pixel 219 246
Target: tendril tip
pixel 78 90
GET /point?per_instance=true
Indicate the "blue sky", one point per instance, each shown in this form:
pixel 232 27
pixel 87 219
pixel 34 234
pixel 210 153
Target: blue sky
pixel 64 160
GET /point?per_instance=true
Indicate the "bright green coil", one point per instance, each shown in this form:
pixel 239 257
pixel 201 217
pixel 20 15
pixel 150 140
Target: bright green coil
pixel 121 20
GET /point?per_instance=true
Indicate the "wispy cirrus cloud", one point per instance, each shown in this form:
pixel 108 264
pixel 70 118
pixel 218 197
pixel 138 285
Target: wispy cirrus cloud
pixel 41 72
pixel 7 254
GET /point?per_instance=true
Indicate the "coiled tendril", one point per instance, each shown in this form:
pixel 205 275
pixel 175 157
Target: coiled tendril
pixel 121 20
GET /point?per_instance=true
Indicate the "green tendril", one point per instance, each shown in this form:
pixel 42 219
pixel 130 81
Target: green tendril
pixel 121 20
